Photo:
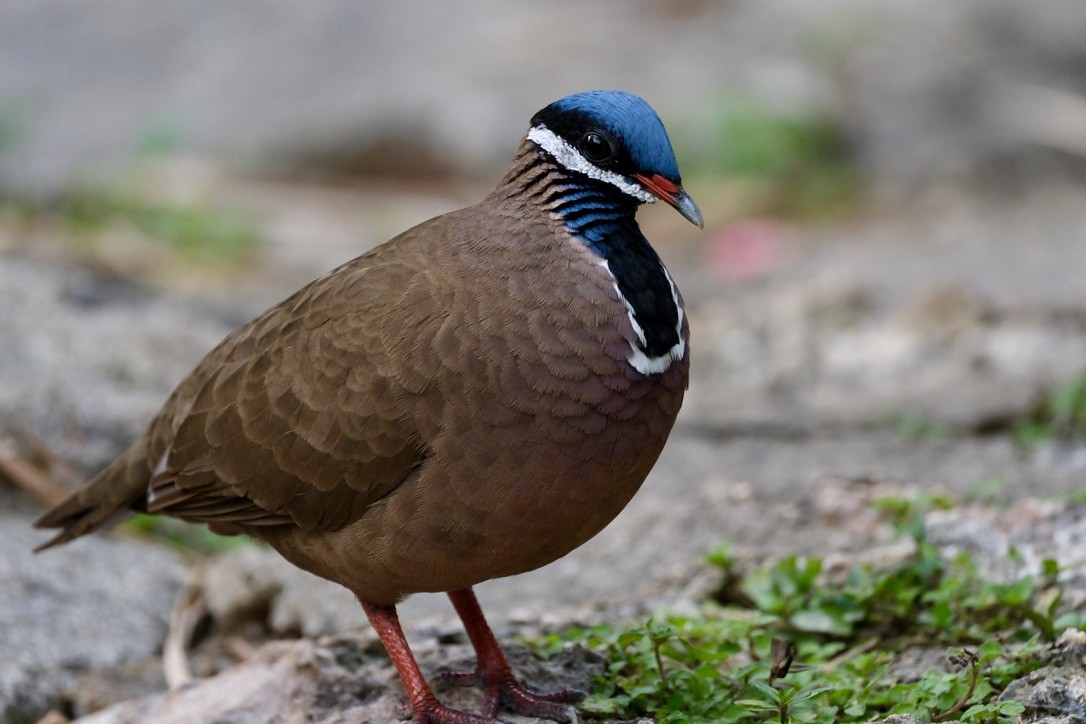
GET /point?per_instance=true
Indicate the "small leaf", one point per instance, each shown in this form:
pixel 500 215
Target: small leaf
pixel 756 705
pixel 721 556
pixel 1011 708
pixel 820 622
pixel 988 651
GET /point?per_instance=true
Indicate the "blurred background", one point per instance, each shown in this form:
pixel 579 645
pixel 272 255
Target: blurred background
pixel 889 290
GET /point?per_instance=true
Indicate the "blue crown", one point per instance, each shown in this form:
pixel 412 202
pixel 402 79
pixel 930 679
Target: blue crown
pixel 626 118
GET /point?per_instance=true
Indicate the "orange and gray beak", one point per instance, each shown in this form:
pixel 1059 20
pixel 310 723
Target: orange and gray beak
pixel 672 194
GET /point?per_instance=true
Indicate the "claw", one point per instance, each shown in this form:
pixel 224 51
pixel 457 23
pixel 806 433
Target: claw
pixel 440 714
pixel 508 693
pixel 555 705
pixel 435 713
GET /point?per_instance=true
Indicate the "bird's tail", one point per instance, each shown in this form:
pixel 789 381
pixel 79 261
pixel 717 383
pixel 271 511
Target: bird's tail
pixel 107 499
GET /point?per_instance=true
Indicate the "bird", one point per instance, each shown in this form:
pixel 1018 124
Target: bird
pixel 472 399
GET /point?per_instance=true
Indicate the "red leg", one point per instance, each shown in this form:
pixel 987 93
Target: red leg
pixel 424 705
pixel 494 675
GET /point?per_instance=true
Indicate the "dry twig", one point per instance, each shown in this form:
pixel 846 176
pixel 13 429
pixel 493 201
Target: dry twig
pixel 24 474
pixel 190 608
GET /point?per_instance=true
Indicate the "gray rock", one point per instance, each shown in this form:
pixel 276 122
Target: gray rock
pixel 911 664
pixel 96 357
pixel 98 603
pixel 1055 694
pixel 335 680
pixel 241 582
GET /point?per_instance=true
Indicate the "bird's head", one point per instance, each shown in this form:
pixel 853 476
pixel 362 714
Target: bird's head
pixel 617 138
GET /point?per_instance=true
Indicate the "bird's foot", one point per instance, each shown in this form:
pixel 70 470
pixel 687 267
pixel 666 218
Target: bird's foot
pixel 503 691
pixel 431 712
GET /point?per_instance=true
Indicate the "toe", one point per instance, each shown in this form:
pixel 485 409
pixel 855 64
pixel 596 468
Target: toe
pixel 444 715
pixel 520 700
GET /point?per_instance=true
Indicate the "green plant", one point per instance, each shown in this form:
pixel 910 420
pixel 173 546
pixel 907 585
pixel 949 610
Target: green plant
pixel 204 235
pixel 185 537
pixel 744 137
pixel 919 429
pixel 986 490
pixel 787 643
pixel 1061 415
pixel 802 160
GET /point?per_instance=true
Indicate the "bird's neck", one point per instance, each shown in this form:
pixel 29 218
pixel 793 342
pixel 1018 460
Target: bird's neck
pixel 601 217
pixel 597 213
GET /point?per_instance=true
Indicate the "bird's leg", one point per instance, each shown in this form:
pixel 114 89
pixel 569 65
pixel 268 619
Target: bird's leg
pixel 424 706
pixel 493 674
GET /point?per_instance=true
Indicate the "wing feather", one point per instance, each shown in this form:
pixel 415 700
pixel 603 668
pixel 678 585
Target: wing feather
pixel 296 418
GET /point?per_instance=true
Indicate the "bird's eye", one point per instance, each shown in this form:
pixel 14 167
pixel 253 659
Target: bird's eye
pixel 595 147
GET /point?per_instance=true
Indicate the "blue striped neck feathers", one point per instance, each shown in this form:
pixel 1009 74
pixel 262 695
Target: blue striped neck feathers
pixel 601 217
pixel 597 215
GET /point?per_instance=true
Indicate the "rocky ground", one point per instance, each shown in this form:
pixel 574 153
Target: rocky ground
pixel 887 353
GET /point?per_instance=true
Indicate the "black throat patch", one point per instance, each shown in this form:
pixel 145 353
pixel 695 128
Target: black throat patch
pixel 603 219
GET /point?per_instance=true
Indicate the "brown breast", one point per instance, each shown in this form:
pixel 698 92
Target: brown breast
pixel 534 430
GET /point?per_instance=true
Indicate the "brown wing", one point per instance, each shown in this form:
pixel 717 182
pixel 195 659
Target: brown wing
pixel 304 416
pixel 296 417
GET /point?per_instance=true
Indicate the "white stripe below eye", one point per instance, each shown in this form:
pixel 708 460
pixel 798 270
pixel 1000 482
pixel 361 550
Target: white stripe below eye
pixel 572 159
pixel 638 359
